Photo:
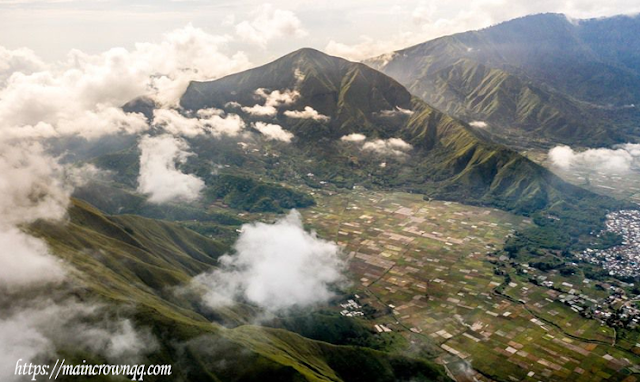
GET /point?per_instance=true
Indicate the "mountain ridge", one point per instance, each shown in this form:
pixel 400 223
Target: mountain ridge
pixel 562 70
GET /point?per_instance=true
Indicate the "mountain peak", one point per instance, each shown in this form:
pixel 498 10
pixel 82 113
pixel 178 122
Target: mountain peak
pixel 332 86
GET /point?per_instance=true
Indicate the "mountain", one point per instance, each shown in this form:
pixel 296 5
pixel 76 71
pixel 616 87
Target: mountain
pixel 135 264
pixel 542 75
pixel 449 159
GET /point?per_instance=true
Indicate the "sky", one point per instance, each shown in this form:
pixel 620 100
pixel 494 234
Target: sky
pixel 355 29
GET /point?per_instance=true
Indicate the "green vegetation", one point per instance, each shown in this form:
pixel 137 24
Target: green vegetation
pixel 254 196
pixel 135 263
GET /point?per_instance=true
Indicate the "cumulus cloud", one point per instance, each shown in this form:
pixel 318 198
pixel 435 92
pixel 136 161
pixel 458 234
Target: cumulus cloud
pixel 260 110
pixel 22 60
pixel 272 100
pixel 276 267
pixel 478 124
pixel 307 113
pixel 269 23
pixel 273 132
pixel 354 137
pixel 207 121
pixel 82 95
pixel 391 146
pixel 621 158
pixel 159 177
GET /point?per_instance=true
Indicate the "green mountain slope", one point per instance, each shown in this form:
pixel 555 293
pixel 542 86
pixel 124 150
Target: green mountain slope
pixel 449 160
pixel 543 75
pixel 136 263
pixel 349 93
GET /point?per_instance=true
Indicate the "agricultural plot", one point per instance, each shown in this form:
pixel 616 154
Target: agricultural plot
pixel 424 266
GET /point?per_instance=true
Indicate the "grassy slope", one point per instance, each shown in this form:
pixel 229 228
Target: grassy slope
pixel 135 262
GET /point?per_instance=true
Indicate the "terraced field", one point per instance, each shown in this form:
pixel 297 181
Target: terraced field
pixel 427 268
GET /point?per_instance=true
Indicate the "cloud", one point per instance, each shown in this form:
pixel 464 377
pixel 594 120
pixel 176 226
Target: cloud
pixel 260 110
pixel 34 332
pixel 391 146
pixel 272 100
pixel 32 185
pixel 354 137
pixel 207 121
pixel 26 261
pixel 276 267
pixel 82 95
pixel 22 60
pixel 478 124
pixel 273 132
pixel 395 112
pixel 159 177
pixel 307 113
pixel 269 23
pixel 621 158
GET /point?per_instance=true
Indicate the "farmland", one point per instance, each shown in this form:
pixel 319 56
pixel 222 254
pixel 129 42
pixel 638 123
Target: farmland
pixel 429 270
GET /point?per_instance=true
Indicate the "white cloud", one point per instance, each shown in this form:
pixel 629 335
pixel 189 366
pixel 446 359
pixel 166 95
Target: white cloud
pixel 621 158
pixel 395 112
pixel 307 113
pixel 159 176
pixel 273 132
pixel 26 261
pixel 32 185
pixel 277 97
pixel 208 121
pixel 21 60
pixel 272 100
pixel 269 23
pixel 391 146
pixel 83 94
pixel 260 110
pixel 478 124
pixel 355 137
pixel 275 266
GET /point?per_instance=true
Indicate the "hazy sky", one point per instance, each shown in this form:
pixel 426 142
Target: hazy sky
pixel 351 28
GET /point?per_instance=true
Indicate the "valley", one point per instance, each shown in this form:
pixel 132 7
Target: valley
pixel 464 209
pixel 429 269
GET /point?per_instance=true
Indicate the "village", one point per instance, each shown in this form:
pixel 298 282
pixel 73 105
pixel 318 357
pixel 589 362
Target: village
pixel 621 260
pixel 423 265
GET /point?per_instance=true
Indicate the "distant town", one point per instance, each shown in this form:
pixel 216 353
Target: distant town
pixel 624 259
